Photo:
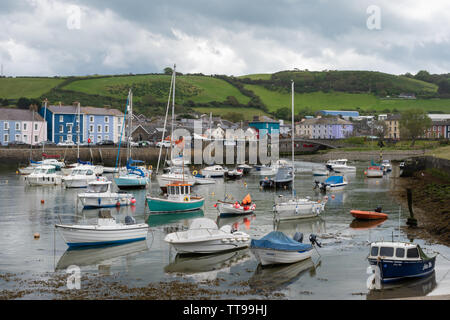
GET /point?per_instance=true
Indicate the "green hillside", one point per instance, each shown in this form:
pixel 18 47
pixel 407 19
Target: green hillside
pixel 199 89
pixel 14 88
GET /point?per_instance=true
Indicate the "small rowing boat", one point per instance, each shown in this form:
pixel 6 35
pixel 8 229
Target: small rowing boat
pixel 369 215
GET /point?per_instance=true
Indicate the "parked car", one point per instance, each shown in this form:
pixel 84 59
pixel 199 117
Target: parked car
pixel 69 143
pixel 18 144
pixel 165 144
pixel 145 144
pixel 105 143
pixel 46 143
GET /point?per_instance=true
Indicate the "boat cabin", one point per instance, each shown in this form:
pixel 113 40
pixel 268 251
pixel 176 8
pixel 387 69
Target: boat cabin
pixel 396 251
pixel 98 186
pixel 44 170
pixel 80 171
pixel 338 162
pixel 179 191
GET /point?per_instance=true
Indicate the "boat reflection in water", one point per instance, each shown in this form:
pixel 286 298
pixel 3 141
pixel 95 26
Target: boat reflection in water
pixel 277 277
pixel 306 226
pixel 159 219
pixel 358 224
pixel 97 255
pixel 400 289
pixel 236 222
pixel 206 267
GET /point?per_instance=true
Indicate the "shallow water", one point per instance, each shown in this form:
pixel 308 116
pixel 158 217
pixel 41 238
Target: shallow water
pixel 337 271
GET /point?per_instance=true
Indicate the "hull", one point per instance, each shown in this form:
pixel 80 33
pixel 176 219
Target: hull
pixel 374 174
pixel 82 236
pixel 164 180
pixel 368 215
pixel 110 201
pixel 298 210
pixel 320 173
pixel 77 182
pixel 211 246
pixel 27 170
pixel 131 182
pixel 393 270
pixel 213 174
pixel 43 180
pixel 275 184
pixel 270 256
pixel 164 205
pixel 228 210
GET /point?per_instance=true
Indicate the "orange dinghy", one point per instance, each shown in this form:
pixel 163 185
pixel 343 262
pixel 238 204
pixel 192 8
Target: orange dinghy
pixel 368 215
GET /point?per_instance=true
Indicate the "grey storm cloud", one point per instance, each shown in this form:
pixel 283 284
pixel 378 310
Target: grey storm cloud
pixel 225 37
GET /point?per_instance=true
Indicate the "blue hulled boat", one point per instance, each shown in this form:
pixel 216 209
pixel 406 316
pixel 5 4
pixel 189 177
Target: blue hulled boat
pixel 399 260
pixel 134 177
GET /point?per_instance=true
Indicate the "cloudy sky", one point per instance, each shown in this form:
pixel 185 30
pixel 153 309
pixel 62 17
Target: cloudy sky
pixel 233 37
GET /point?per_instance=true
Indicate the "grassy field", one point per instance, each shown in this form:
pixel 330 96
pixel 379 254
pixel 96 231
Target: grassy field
pixel 14 88
pixel 340 100
pixel 196 88
pixel 442 152
pixel 258 76
pixel 247 113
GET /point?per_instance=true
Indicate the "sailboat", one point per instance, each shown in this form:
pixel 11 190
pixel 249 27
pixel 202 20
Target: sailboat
pixel 133 176
pixel 177 173
pixel 296 208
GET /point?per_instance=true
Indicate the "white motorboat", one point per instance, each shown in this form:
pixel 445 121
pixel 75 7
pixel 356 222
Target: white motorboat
pixel 340 166
pixel 213 171
pixel 374 172
pixel 332 183
pixel 245 168
pixel 227 209
pixel 321 172
pixel 386 165
pixel 269 171
pixel 106 231
pixel 175 175
pixel 204 236
pixel 233 174
pixel 298 208
pixel 44 175
pixel 277 248
pixel 99 195
pixel 80 177
pixel 202 180
pixel 98 170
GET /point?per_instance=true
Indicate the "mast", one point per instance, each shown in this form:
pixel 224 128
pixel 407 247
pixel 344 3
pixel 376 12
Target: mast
pixel 45 119
pixel 32 135
pixel 292 136
pixel 165 122
pixel 130 122
pixel 173 112
pixel 78 133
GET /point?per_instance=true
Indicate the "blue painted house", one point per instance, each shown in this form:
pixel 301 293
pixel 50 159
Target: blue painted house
pixel 265 125
pixel 67 123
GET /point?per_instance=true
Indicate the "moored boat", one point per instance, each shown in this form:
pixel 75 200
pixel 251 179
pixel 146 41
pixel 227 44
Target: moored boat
pixel 399 260
pixel 277 248
pixel 44 175
pixel 233 174
pixel 178 199
pixel 106 231
pixel 374 172
pixel 213 171
pixel 369 215
pixel 331 183
pixel 340 165
pixel 99 195
pixel 80 177
pixel 204 236
pixel 235 208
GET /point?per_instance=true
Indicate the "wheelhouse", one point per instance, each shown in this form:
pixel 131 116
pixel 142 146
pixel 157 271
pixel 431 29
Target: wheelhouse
pixel 396 251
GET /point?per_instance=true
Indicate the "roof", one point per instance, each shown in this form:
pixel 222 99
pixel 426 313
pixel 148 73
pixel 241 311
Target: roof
pixel 263 119
pixel 334 120
pixel 85 110
pixel 338 112
pixel 19 115
pixel 393 117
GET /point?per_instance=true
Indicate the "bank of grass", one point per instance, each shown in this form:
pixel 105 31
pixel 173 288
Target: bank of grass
pixel 353 144
pixel 316 101
pixel 199 89
pixel 15 88
pixel 441 152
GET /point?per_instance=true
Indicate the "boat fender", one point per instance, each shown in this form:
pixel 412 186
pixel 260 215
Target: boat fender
pixel 313 240
pixel 194 172
pixel 118 203
pixel 186 199
pixel 133 201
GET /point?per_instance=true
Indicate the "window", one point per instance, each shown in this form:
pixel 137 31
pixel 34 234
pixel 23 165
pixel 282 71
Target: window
pixel 91 128
pixel 69 127
pixel 99 139
pixel 5 125
pixel 35 127
pixel 400 253
pixel 412 253
pixel 6 138
pixel 386 251
pixel 99 128
pixel 106 129
pixel 25 138
pixel 69 138
pixel 77 128
pixel 91 118
pixel 106 119
pixel 61 118
pixel 61 129
pixel 17 125
pixel 35 138
pixel 106 137
pixel 17 137
pixel 92 138
pixel 119 129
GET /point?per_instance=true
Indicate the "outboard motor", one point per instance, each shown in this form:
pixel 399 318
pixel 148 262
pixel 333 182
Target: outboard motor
pixel 313 240
pixel 317 184
pixel 378 209
pixel 129 220
pixel 329 167
pixel 298 236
